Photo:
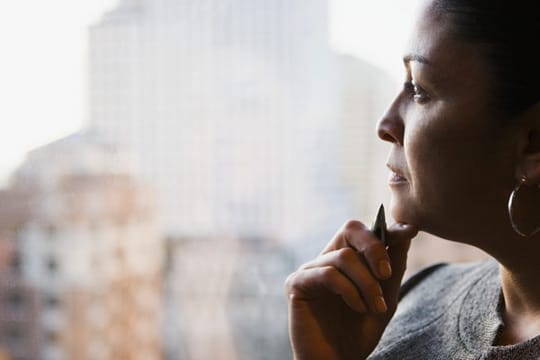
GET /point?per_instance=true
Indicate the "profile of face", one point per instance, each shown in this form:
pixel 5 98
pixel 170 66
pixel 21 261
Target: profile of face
pixel 453 155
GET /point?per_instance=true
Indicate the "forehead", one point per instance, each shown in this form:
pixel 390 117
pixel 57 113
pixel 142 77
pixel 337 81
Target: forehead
pixel 433 47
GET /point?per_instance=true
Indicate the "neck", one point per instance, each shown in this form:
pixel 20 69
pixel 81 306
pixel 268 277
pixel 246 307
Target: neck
pixel 521 291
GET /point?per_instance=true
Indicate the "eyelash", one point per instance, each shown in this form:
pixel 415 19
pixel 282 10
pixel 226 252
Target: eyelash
pixel 417 93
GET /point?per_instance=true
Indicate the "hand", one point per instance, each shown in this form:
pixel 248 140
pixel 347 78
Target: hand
pixel 341 302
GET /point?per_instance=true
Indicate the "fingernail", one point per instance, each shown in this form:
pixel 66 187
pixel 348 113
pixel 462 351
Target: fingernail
pixel 380 304
pixel 385 270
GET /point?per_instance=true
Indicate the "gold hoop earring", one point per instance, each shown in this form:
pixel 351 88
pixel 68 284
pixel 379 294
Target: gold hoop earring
pixel 521 218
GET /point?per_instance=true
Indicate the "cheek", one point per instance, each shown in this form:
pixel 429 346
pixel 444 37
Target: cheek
pixel 440 165
pixel 425 151
pixel 443 146
pixel 451 170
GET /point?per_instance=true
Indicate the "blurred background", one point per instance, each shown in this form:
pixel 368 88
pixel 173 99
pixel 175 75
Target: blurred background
pixel 166 163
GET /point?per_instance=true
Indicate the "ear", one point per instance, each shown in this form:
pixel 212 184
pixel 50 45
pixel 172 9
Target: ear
pixel 530 156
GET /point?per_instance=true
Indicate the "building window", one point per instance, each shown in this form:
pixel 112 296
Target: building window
pixel 52 301
pixel 13 335
pixel 51 231
pixel 52 264
pixel 16 263
pixel 15 301
pixel 52 337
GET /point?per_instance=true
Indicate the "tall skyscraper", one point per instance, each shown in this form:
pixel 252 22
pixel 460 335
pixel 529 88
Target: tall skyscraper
pixel 365 93
pixel 231 106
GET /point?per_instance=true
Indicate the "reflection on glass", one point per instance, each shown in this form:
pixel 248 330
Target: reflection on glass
pixel 226 143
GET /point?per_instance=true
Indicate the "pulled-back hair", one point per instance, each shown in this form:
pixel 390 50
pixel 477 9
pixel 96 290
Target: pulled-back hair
pixel 509 31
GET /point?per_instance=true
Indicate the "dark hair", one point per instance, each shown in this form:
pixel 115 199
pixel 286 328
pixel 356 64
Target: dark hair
pixel 510 33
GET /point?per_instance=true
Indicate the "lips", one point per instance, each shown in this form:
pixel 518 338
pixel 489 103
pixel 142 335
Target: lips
pixel 396 176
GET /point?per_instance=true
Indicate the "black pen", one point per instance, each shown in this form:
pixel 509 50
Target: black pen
pixel 379 227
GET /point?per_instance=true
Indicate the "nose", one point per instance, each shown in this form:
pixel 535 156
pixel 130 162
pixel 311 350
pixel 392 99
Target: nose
pixel 391 127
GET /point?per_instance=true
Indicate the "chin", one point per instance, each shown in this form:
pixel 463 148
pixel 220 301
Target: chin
pixel 423 222
pixel 402 213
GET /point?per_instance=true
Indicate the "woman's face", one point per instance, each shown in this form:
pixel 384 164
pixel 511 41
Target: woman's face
pixel 456 159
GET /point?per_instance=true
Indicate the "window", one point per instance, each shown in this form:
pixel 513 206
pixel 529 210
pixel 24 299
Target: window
pixel 52 337
pixel 52 265
pixel 13 335
pixel 15 301
pixel 217 128
pixel 51 231
pixel 52 301
pixel 16 263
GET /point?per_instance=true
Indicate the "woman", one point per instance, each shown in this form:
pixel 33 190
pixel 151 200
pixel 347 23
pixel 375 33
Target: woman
pixel 465 135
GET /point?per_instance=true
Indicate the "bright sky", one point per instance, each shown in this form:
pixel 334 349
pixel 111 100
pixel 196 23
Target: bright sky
pixel 44 49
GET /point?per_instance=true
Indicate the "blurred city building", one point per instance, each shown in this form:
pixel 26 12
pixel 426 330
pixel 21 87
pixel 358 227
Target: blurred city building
pixel 259 141
pixel 198 275
pixel 256 305
pixel 19 302
pixel 224 298
pixel 250 127
pixel 365 93
pixel 90 248
pixel 247 143
pixel 232 107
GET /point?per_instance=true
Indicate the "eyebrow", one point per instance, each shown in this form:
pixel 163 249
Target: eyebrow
pixel 414 57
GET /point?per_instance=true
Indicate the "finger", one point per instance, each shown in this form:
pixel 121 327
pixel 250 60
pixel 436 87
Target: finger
pixel 339 240
pixel 347 261
pixel 315 283
pixel 398 232
pixel 400 236
pixel 356 235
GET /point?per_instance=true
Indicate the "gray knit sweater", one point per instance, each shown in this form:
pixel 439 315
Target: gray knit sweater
pixel 451 312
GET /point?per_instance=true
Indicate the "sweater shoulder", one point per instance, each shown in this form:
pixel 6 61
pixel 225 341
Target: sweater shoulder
pixel 411 283
pixel 426 307
pixel 442 276
pixel 428 294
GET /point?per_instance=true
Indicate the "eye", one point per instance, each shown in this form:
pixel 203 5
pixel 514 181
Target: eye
pixel 418 94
